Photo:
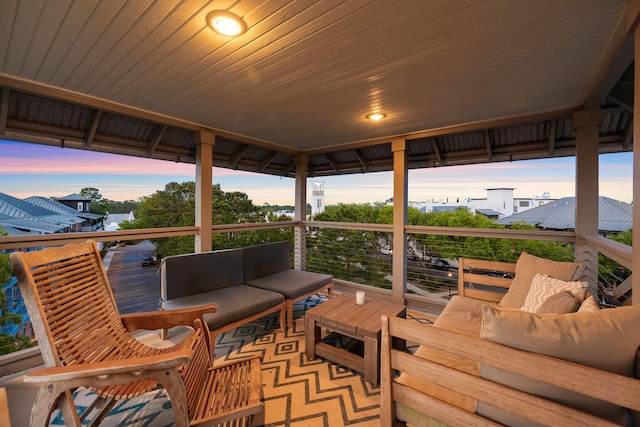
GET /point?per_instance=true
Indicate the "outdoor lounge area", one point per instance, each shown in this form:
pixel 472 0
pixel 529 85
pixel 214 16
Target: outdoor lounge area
pixel 457 84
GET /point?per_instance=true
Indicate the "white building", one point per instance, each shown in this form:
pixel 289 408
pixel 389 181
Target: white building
pixel 317 198
pixel 498 204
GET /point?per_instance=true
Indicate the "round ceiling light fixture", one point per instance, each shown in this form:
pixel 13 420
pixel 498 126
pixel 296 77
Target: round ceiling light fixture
pixel 376 116
pixel 226 23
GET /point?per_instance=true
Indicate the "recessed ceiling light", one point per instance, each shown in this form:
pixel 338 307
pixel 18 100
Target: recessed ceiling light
pixel 226 23
pixel 376 116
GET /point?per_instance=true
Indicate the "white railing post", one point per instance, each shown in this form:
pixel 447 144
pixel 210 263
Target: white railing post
pixel 400 200
pixel 587 126
pixel 300 230
pixel 204 181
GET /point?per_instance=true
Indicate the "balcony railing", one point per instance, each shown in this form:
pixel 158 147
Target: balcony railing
pixel 357 255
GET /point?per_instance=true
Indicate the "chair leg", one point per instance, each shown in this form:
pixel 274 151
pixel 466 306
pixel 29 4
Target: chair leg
pixel 174 386
pixel 286 315
pixel 48 398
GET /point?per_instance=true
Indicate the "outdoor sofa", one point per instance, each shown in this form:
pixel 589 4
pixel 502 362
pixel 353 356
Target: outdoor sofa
pixel 246 284
pixel 543 353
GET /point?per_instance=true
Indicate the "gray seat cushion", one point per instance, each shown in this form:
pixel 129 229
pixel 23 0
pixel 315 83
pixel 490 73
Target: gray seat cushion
pixel 234 303
pixel 292 283
pixel 202 272
pixel 263 260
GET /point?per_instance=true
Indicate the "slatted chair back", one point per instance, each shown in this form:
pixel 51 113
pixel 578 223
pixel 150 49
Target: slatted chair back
pixel 76 320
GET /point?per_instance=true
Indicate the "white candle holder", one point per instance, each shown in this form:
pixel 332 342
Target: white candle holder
pixel 359 297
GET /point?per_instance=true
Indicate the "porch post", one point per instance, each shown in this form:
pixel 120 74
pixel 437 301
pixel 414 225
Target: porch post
pixel 204 180
pixel 300 231
pixel 587 126
pixel 400 200
pixel 633 17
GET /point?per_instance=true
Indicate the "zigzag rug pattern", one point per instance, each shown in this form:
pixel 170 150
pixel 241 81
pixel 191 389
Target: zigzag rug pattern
pixel 297 391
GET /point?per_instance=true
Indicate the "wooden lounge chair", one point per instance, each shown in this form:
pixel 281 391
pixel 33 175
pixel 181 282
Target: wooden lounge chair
pixel 85 342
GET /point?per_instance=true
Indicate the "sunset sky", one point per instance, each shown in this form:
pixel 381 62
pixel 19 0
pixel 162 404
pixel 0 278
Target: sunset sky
pixel 51 171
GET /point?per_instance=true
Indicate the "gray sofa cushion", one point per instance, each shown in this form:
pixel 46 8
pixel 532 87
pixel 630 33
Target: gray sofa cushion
pixel 195 273
pixel 263 260
pixel 292 283
pixel 234 303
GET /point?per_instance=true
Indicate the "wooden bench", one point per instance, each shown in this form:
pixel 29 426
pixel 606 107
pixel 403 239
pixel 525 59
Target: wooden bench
pixel 495 366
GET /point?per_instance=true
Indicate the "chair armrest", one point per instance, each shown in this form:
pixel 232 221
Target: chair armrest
pixel 113 367
pixel 166 319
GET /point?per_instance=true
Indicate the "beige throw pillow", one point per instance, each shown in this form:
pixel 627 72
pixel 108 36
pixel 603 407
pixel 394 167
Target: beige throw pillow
pixel 526 268
pixel 562 302
pixel 543 286
pixel 589 304
pixel 603 339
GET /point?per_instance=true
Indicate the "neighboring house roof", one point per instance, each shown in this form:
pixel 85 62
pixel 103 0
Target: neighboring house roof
pixel 54 206
pixel 118 218
pixel 614 216
pixel 488 212
pixel 447 208
pixel 112 221
pixel 26 215
pixel 31 224
pixel 14 207
pixel 74 197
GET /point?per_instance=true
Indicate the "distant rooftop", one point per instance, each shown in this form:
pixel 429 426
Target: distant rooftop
pixel 614 215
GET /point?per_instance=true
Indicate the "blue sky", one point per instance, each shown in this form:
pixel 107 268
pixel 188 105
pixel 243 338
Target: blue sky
pixel 52 171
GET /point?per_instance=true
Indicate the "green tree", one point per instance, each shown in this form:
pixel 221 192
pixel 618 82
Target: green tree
pixel 175 207
pixel 353 255
pixel 91 193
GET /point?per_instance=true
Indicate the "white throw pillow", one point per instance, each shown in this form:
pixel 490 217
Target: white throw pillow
pixel 544 286
pixel 589 304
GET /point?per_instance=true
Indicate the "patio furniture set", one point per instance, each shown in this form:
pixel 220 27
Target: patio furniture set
pixel 528 346
pixel 246 284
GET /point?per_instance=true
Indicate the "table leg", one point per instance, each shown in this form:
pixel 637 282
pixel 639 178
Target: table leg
pixel 372 360
pixel 312 336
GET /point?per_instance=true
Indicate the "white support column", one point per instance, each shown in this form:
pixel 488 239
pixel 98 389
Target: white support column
pixel 587 125
pixel 300 231
pixel 400 200
pixel 204 181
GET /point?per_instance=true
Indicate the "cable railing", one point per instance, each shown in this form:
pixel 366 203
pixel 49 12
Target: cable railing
pixel 357 255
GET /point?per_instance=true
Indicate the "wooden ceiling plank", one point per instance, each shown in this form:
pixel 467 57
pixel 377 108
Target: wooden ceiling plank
pixel 627 138
pixel 332 161
pixel 237 155
pixel 91 132
pixel 268 159
pixel 288 167
pixel 552 136
pixel 487 143
pixel 361 159
pixel 4 110
pixel 156 138
pixel 436 150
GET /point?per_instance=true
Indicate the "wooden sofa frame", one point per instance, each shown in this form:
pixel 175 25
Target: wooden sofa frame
pixel 613 388
pixel 487 280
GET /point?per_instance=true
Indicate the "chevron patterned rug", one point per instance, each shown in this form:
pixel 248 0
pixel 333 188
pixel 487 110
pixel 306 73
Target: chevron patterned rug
pixel 297 391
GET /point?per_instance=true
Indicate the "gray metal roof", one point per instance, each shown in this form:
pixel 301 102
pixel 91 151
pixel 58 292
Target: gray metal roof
pixel 74 197
pixel 24 214
pixel 462 82
pixel 613 215
pixel 489 212
pixel 32 224
pixel 60 208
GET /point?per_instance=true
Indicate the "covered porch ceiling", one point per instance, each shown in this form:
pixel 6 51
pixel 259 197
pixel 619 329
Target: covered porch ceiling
pixel 462 81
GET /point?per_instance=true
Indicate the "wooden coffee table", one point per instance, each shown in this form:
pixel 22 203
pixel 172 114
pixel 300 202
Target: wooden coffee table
pixel 361 322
